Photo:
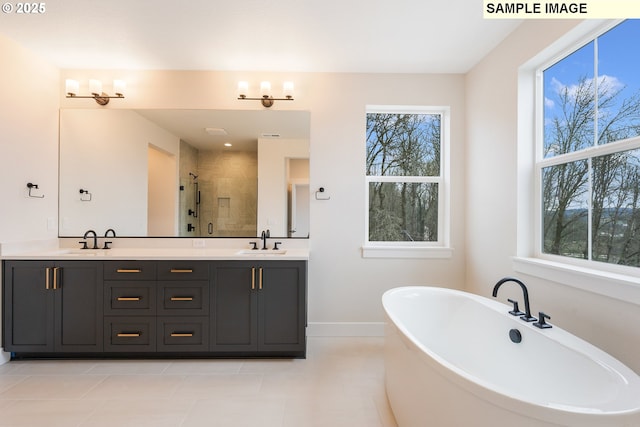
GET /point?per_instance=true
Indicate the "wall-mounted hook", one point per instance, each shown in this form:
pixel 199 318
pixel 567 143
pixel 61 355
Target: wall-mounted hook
pixel 320 195
pixel 31 186
pixel 84 194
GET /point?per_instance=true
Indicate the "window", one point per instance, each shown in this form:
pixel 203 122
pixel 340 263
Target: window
pixel 588 164
pixel 405 165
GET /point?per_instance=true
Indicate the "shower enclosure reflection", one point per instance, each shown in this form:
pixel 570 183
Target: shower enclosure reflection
pixel 161 173
pixel 220 200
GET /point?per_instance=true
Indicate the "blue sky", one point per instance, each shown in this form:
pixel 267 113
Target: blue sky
pixel 618 64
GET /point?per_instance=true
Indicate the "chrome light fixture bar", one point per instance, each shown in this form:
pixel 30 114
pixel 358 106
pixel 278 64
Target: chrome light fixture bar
pixel 95 87
pixel 265 90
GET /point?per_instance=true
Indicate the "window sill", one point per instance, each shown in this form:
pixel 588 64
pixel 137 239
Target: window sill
pixel 612 285
pixel 406 252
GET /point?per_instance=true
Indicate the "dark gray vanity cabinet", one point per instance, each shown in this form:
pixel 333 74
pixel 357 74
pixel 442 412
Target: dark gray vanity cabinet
pixel 156 306
pixel 128 308
pixel 259 306
pixel 52 306
pixel 183 306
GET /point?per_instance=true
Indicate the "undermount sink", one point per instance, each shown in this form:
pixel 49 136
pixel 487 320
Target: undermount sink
pixel 82 252
pixel 262 252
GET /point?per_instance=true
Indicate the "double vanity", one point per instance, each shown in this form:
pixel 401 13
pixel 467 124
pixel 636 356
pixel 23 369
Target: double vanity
pixel 150 302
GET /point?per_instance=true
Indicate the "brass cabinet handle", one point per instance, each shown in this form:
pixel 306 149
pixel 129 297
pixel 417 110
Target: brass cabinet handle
pixel 178 270
pixel 55 277
pixel 127 270
pixel 129 298
pixel 253 278
pixel 129 334
pixel 47 277
pixel 260 281
pixel 181 298
pixel 182 334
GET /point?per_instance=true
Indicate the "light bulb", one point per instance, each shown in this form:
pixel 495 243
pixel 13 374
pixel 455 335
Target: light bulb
pixel 71 87
pixel 265 89
pixel 95 87
pixel 243 89
pixel 119 86
pixel 287 89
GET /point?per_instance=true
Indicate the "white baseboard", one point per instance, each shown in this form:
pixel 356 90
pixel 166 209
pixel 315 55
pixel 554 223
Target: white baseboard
pixel 4 356
pixel 345 329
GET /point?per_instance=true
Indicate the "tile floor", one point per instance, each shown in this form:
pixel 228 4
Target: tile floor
pixel 341 383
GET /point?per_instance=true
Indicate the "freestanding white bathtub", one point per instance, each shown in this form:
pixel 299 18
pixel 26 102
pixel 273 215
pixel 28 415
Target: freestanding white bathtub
pixel 449 361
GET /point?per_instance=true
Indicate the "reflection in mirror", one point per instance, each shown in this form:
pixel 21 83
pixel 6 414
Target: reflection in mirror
pixel 220 190
pixel 168 173
pixel 298 198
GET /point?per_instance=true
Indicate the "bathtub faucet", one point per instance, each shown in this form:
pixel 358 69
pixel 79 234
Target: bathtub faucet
pixel 527 311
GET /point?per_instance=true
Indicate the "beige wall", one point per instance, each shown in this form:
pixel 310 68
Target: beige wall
pixel 162 203
pixel 493 143
pixel 106 152
pixel 272 182
pixel 28 147
pixel 29 99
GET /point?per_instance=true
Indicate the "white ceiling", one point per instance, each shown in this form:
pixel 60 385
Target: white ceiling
pixel 367 36
pixel 373 36
pixel 243 127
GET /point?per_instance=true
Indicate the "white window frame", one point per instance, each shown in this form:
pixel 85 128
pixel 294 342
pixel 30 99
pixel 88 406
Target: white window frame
pixel 614 281
pixel 436 249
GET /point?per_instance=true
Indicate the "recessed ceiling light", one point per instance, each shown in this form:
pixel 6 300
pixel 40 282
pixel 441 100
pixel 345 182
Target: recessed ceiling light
pixel 216 131
pixel 228 144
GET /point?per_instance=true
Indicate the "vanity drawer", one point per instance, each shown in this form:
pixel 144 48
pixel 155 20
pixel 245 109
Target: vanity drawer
pixel 183 333
pixel 130 333
pixel 183 298
pixel 183 270
pixel 129 270
pixel 130 298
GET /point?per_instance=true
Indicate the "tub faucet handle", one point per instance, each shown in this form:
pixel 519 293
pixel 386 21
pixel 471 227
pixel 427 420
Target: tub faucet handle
pixel 516 310
pixel 542 324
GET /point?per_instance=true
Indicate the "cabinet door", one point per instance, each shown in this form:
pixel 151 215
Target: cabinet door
pixel 282 307
pixel 233 302
pixel 28 318
pixel 51 307
pixel 78 306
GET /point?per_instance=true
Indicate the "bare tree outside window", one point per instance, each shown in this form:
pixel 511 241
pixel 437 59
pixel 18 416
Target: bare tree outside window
pixel 591 201
pixel 403 152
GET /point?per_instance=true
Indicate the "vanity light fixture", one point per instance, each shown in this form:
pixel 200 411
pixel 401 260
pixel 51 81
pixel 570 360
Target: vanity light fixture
pixel 265 92
pixel 95 87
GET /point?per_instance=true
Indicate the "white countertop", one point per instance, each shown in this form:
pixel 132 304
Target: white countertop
pixel 288 254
